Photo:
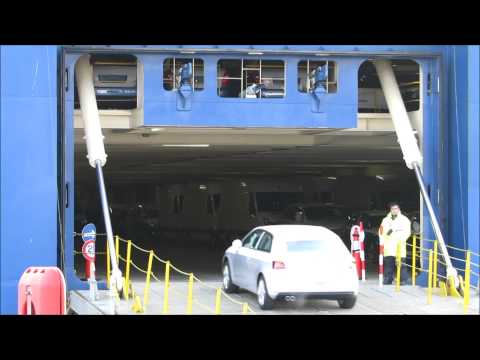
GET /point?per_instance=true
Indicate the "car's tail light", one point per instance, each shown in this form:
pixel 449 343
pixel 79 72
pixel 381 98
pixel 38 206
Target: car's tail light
pixel 278 265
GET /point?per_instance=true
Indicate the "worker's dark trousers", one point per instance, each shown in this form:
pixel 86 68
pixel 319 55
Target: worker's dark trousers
pixel 390 268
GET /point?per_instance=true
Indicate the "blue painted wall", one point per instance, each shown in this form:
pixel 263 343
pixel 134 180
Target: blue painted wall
pixel 28 208
pixel 337 109
pixel 462 142
pixel 29 151
pixel 457 131
pixel 473 158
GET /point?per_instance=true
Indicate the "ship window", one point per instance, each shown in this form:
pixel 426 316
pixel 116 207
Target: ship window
pixel 370 94
pixel 115 81
pixel 306 75
pixel 171 73
pixel 251 78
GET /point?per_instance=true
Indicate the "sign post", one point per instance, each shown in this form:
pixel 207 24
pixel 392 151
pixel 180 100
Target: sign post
pixel 89 235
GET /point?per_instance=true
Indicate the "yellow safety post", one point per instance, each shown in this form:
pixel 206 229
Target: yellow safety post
pixel 127 271
pixel 147 280
pixel 466 294
pixel 414 260
pixel 108 265
pixel 167 285
pixel 137 305
pixel 462 286
pixel 421 254
pixel 452 290
pixel 443 288
pixel 399 266
pixel 435 262
pixel 430 275
pixel 218 303
pixel 245 309
pixel 190 294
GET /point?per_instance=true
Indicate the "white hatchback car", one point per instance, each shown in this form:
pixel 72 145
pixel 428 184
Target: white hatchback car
pixel 290 262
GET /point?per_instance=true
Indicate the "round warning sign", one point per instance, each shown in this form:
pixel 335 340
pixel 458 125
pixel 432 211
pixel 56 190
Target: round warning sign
pixel 89 232
pixel 88 250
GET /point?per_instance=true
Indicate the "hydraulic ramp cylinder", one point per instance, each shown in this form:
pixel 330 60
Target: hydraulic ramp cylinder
pixel 96 151
pixel 408 143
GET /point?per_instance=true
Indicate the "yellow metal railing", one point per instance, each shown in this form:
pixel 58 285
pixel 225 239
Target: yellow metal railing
pixel 436 280
pixel 168 289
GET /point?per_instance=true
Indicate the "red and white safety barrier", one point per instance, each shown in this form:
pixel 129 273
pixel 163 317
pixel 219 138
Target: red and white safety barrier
pixel 380 258
pixel 362 250
pixel 355 247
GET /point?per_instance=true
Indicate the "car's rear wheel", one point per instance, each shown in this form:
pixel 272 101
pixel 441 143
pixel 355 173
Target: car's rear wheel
pixel 347 302
pixel 264 300
pixel 228 285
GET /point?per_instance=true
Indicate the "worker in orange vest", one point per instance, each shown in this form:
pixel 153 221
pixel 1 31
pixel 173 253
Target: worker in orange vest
pixel 395 229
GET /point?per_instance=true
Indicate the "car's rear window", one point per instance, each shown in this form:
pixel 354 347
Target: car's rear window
pixel 323 246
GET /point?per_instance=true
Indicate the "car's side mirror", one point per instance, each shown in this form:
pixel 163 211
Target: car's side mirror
pixel 237 243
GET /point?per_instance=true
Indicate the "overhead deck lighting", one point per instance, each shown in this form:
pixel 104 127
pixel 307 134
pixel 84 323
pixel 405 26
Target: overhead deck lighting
pixel 332 178
pixel 255 53
pixel 380 177
pixel 185 145
pixel 187 52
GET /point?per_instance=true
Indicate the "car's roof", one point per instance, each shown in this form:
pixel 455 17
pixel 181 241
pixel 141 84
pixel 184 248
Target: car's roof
pixel 297 232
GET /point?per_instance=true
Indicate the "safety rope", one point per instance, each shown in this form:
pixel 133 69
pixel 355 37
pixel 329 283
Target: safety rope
pixel 441 276
pixel 463 250
pixel 157 279
pixel 161 260
pixel 141 249
pixel 204 284
pixel 195 301
pixel 137 267
pixel 232 300
pixel 153 276
pixel 453 257
pixel 179 271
